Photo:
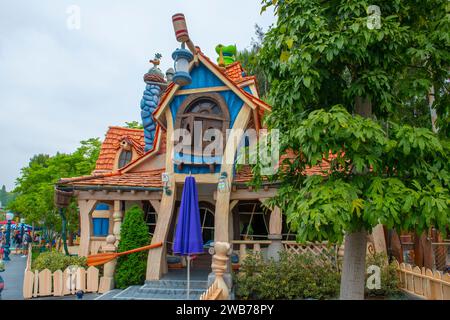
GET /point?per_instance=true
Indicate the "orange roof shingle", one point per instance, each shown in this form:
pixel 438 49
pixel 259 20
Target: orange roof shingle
pixel 147 179
pixel 111 144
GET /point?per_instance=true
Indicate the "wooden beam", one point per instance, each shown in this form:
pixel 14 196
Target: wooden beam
pixel 232 86
pixel 222 214
pixel 233 204
pixel 86 208
pixel 112 196
pixel 169 143
pixel 156 204
pixel 199 178
pixel 201 90
pixel 156 261
pixel 245 194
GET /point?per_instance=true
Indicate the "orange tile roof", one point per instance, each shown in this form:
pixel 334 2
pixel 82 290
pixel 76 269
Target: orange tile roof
pixel 147 179
pixel 234 71
pixel 111 144
pixel 245 174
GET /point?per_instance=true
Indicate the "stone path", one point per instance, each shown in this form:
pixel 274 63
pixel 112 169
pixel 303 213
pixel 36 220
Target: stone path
pixel 13 277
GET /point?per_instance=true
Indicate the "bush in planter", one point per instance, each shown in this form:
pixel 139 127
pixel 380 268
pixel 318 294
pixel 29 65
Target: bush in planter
pixel 294 277
pixel 54 260
pixel 389 276
pixel 133 234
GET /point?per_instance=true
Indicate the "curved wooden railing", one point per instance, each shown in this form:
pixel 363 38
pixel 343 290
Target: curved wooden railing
pixel 219 289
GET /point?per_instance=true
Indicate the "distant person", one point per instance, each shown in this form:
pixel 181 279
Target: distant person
pixel 18 240
pixel 26 242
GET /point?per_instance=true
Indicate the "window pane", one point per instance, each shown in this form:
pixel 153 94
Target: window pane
pixel 125 158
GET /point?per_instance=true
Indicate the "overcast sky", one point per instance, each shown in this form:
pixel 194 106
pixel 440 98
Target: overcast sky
pixel 60 85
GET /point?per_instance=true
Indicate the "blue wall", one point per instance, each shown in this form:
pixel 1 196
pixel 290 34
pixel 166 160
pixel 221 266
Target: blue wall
pixel 203 78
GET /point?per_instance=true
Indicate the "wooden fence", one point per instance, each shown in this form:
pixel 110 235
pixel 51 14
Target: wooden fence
pixel 59 283
pixel 424 283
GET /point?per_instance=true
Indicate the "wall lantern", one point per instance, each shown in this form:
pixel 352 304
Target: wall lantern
pixel 223 182
pixel 182 58
pixel 9 216
pixel 165 177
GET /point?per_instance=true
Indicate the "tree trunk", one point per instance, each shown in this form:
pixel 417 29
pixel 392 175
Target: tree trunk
pixel 354 265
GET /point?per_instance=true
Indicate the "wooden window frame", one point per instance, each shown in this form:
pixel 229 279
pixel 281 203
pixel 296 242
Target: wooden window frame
pixel 216 98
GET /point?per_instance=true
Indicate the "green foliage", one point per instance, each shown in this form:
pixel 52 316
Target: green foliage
pixel 133 234
pixel 35 186
pixel 5 196
pixel 321 58
pixel 401 180
pixel 249 61
pixel 389 276
pixel 57 261
pixel 134 125
pixel 293 277
pixel 322 53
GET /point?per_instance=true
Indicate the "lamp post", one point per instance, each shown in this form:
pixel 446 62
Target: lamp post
pixel 9 217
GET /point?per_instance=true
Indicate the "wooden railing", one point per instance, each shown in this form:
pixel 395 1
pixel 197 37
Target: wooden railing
pixel 218 289
pixel 424 283
pixel 213 292
pixel 253 245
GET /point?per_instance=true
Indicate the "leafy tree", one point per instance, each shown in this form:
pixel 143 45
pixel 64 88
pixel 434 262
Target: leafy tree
pixel 325 61
pixel 5 196
pixel 248 59
pixel 134 125
pixel 133 234
pixel 35 186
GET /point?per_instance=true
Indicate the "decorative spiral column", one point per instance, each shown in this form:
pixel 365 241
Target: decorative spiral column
pixel 155 81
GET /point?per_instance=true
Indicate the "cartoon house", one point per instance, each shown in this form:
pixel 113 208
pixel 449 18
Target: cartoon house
pixel 140 166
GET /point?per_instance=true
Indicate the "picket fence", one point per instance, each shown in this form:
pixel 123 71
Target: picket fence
pixel 44 283
pixel 424 283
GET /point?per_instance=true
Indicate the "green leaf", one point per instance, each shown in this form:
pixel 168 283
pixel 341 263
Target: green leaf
pixel 307 81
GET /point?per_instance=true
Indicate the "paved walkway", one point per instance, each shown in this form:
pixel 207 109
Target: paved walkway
pixel 13 277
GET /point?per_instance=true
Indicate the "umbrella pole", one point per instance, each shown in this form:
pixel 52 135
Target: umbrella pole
pixel 188 275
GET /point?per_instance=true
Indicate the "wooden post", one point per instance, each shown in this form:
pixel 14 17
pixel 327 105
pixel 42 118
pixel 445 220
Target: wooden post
pixel 242 252
pixel 221 218
pixel 156 262
pixel 219 267
pixel 107 281
pixel 117 216
pixel 275 234
pixel 86 208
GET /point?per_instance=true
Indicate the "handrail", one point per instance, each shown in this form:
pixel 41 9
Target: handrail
pixel 251 241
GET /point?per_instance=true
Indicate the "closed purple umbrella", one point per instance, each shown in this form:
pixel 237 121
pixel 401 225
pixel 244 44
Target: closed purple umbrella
pixel 188 235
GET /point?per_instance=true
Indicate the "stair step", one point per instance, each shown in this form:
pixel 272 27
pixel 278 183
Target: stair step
pixel 176 284
pixel 138 293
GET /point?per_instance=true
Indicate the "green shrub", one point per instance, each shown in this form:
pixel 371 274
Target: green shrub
pixel 54 260
pixel 133 234
pixel 293 277
pixel 389 277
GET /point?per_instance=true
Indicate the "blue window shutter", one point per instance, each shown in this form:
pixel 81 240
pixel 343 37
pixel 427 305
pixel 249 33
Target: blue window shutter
pixel 101 227
pixel 97 224
pixel 105 226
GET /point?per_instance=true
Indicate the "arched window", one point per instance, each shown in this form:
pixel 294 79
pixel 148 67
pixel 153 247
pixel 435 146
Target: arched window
pixel 207 222
pixel 125 158
pixel 199 113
